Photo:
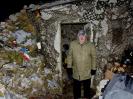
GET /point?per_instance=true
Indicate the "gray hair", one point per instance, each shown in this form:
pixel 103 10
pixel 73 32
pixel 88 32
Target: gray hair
pixel 81 32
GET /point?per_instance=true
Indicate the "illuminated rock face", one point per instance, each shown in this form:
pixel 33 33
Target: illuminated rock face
pixel 111 31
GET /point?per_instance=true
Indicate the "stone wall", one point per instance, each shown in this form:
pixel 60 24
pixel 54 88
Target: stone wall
pixel 110 22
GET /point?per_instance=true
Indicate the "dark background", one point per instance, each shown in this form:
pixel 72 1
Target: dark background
pixel 8 7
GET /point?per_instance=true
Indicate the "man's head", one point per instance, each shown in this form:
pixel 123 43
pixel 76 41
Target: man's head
pixel 82 36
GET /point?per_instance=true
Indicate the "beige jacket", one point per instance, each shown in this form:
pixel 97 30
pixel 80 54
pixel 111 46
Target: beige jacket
pixel 82 59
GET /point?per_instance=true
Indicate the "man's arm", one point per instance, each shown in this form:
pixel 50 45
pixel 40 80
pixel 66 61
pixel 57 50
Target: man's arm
pixel 93 60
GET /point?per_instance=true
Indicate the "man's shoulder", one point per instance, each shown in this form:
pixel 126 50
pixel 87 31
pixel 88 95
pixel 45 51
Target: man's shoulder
pixel 74 42
pixel 90 43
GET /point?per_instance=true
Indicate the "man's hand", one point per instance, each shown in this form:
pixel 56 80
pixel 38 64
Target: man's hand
pixel 93 72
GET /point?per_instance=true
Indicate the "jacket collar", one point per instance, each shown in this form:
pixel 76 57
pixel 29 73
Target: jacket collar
pixel 83 43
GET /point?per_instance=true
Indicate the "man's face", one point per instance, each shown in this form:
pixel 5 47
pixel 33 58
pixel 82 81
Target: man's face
pixel 82 38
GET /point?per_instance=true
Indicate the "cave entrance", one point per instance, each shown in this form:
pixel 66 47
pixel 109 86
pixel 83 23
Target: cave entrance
pixel 68 33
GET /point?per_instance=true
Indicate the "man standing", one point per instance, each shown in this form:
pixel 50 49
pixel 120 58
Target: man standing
pixel 82 59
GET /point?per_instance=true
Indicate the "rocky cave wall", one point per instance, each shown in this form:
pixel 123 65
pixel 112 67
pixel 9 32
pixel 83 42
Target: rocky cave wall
pixel 110 22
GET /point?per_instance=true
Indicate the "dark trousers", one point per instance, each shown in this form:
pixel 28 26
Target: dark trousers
pixel 77 88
